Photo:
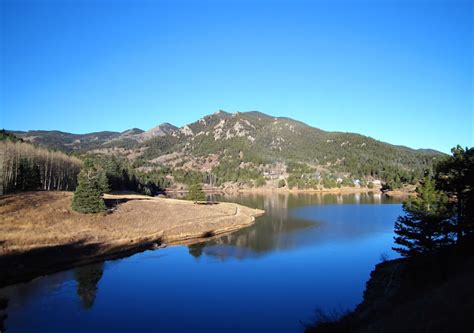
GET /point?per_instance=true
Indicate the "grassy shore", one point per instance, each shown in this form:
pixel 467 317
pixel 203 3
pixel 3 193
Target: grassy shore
pixel 41 234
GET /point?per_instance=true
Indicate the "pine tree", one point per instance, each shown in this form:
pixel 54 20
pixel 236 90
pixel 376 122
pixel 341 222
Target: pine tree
pixel 455 176
pixel 92 183
pixel 195 193
pixel 28 176
pixel 427 225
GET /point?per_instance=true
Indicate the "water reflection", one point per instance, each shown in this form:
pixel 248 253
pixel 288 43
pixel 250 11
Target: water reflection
pixel 196 249
pixel 297 220
pixel 309 251
pixel 87 278
pixel 84 279
pixel 21 294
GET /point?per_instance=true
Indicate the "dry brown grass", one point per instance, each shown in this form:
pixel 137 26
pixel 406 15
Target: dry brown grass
pixel 33 220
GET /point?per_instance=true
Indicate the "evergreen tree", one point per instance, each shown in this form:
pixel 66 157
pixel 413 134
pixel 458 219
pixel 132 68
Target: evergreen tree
pixel 427 223
pixel 455 176
pixel 28 176
pixel 92 183
pixel 195 193
pixel 329 183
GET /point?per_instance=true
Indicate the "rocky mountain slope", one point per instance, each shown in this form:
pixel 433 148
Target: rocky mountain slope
pixel 281 147
pixel 246 146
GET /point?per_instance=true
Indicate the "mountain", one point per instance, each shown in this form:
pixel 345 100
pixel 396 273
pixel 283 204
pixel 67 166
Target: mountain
pixel 258 135
pixel 242 147
pixel 132 132
pixel 67 141
pixel 160 130
pixel 84 142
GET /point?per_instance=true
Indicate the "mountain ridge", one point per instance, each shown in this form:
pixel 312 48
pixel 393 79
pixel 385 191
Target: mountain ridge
pixel 243 147
pixel 137 131
pixel 69 142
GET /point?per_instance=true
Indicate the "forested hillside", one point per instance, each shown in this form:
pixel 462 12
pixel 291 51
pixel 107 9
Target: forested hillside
pixel 242 147
pixel 252 149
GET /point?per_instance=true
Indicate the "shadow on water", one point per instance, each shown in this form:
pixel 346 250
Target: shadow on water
pixel 26 265
pixel 3 313
pixel 20 295
pixel 86 277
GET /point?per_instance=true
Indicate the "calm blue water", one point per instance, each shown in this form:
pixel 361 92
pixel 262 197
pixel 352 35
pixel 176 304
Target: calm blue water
pixel 309 251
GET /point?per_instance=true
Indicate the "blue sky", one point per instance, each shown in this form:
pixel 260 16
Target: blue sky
pixel 398 71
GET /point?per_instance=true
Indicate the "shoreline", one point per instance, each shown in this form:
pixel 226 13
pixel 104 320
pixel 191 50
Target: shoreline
pixel 137 223
pixel 341 190
pixel 338 190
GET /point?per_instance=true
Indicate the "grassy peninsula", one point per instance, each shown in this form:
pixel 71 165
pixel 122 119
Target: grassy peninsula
pixel 42 234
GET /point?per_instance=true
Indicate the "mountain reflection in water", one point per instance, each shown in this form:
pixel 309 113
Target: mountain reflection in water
pixel 296 220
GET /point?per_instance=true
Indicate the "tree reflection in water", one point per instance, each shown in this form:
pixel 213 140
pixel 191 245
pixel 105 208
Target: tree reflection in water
pixel 87 278
pixel 196 249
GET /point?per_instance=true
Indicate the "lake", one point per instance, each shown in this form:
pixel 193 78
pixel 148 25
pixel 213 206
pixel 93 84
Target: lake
pixel 310 251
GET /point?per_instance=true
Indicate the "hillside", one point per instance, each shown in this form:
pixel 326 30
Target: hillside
pixel 256 144
pixel 69 142
pixel 253 148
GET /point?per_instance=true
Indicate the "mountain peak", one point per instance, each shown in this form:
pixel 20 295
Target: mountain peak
pixel 132 131
pixel 159 130
pixel 221 112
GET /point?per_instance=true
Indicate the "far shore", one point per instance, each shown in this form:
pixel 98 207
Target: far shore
pixel 341 190
pixel 326 190
pixel 41 234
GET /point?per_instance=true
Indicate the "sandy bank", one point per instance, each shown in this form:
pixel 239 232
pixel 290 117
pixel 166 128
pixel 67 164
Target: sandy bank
pixel 41 234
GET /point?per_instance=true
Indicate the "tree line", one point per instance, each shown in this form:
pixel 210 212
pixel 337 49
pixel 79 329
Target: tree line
pixel 123 176
pixel 101 174
pixel 27 167
pixel 24 166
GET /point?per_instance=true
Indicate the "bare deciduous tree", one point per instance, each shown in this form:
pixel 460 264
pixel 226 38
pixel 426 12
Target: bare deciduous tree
pixel 26 167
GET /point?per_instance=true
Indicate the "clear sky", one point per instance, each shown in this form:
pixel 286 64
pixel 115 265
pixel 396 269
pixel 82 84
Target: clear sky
pixel 398 71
